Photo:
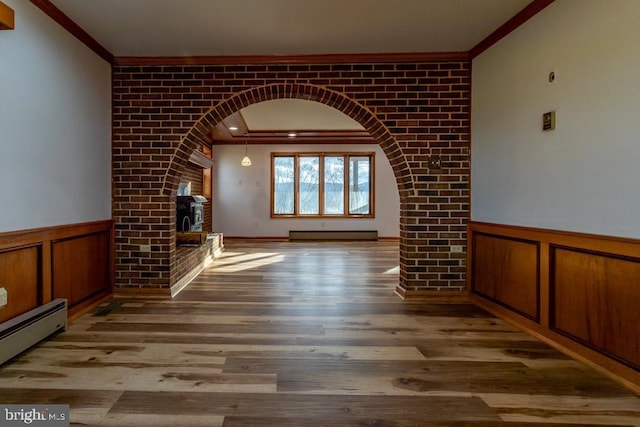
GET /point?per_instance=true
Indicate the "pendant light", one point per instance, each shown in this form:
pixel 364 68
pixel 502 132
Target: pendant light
pixel 246 161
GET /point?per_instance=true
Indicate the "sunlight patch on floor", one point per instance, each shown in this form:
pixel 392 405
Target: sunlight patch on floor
pixel 234 262
pixel 394 270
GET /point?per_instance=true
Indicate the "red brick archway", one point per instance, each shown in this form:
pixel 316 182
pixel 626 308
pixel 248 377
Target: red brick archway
pixel 414 110
pixel 196 137
pixel 359 113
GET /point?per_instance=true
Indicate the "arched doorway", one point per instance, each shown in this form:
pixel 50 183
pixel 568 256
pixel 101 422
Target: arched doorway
pixel 340 102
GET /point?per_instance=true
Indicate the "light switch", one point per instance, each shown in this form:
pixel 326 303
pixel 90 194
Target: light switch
pixel 549 121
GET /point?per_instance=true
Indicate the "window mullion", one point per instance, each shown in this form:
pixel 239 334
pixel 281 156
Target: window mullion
pixel 321 178
pixel 296 185
pixel 372 184
pixel 346 185
pixel 273 185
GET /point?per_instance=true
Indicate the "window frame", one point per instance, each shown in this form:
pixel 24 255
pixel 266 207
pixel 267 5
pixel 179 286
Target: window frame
pixel 207 183
pixel 321 155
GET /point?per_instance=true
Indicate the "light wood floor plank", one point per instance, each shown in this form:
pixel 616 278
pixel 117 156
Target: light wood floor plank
pixel 308 406
pixel 307 334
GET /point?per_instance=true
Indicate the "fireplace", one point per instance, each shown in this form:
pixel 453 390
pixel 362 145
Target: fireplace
pixel 190 213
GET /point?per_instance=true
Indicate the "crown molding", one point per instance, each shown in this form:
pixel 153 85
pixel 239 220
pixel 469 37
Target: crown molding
pixel 68 24
pixel 517 20
pixel 338 58
pixel 302 137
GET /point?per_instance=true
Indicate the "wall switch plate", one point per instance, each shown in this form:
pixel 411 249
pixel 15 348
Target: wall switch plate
pixel 549 121
pixel 456 248
pixel 3 297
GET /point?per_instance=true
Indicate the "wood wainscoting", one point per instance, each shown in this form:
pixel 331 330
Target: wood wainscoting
pixel 579 292
pixel 500 262
pixel 70 261
pixel 20 275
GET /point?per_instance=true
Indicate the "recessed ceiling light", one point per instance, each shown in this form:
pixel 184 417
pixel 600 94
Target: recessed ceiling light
pixel 233 127
pixel 292 134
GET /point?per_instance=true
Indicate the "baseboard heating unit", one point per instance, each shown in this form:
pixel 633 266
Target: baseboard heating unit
pixel 333 235
pixel 28 329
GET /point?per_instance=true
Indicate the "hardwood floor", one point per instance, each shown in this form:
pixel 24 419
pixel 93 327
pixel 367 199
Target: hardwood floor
pixel 307 334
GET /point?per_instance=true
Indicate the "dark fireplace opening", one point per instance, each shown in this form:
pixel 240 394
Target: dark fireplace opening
pixel 190 213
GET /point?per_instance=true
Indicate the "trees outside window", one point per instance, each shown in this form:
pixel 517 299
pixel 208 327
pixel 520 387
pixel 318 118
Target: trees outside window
pixel 322 185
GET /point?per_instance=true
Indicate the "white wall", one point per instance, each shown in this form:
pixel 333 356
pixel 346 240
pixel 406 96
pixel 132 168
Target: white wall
pixel 241 201
pixel 55 126
pixel 585 175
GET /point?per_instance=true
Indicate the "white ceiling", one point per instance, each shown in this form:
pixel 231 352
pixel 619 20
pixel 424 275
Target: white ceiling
pixel 287 27
pixel 295 115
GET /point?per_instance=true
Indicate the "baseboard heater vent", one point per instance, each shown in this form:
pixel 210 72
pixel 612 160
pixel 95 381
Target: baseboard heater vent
pixel 333 235
pixel 28 329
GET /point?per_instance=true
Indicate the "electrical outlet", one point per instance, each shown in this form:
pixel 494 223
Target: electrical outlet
pixel 3 297
pixel 456 248
pixel 434 162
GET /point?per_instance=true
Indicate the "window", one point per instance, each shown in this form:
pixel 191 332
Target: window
pixel 206 174
pixel 322 185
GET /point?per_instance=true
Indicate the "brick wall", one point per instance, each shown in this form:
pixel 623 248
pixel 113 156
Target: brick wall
pixel 190 258
pixel 415 110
